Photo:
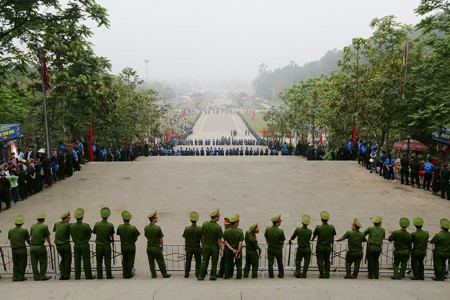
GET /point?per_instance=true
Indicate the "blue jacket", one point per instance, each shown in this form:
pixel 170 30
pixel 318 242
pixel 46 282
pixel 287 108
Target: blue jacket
pixel 428 168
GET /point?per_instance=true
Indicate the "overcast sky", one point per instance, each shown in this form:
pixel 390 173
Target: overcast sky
pixel 212 39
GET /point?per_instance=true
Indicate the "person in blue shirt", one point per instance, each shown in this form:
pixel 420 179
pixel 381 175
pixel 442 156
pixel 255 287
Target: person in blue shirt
pixel 350 149
pixel 382 159
pixel 363 153
pixel 360 144
pixel 428 168
pixel 389 164
pixel 373 158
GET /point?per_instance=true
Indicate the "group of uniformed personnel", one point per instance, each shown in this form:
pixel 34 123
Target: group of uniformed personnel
pixel 209 242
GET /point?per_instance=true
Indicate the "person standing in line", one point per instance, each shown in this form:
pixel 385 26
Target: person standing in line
pixel 355 253
pixel 325 236
pixel 252 251
pixel 212 245
pixel 441 252
pixel 155 246
pixel 104 231
pixel 404 170
pixel 428 169
pixel 18 236
pixel 81 234
pixel 445 182
pixel 223 259
pixel 128 237
pixel 62 242
pixel 374 247
pixel 415 169
pixel 402 246
pixel 303 235
pixel 192 241
pixel 275 240
pixel 38 253
pixel 419 250
pixel 233 238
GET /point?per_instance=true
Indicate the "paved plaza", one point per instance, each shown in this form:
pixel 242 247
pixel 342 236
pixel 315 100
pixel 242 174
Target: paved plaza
pixel 255 187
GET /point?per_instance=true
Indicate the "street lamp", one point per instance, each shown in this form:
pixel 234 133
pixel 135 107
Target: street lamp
pixel 146 73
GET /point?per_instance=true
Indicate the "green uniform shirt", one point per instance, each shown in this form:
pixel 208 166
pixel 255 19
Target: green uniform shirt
pixel 325 234
pixel 250 241
pixel 17 237
pixel 376 235
pixel 355 240
pixel 62 232
pixel 192 236
pixel 212 233
pixel 420 239
pixel 39 232
pixel 233 236
pixel 303 235
pixel 153 233
pixel 401 238
pixel 128 234
pixel 441 242
pixel 274 237
pixel 80 232
pixel 104 230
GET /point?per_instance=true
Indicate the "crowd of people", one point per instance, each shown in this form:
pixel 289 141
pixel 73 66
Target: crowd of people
pixel 223 141
pixel 210 241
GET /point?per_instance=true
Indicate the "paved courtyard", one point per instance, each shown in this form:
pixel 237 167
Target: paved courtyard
pixel 255 187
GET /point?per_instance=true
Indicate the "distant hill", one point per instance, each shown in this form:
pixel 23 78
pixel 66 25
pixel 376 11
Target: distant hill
pixel 269 83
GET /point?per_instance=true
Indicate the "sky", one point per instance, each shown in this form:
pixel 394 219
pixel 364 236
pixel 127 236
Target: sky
pixel 228 40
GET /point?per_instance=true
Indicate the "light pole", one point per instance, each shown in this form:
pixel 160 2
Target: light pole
pixel 292 72
pixel 146 73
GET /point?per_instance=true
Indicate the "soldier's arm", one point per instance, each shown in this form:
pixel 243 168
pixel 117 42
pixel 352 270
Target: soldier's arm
pixel 219 242
pixel 161 243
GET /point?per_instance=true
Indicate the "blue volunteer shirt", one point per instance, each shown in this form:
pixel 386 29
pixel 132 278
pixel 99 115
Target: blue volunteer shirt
pixel 428 168
pixel 350 146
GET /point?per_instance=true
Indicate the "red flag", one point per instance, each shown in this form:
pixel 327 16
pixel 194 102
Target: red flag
pixel 264 132
pixel 91 144
pixel 183 113
pixel 354 133
pixel 154 143
pixel 320 139
pixel 166 134
pixel 45 75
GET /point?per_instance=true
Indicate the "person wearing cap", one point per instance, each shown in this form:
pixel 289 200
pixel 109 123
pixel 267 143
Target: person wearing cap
pixel 18 236
pixel 233 238
pixel 192 245
pixel 155 246
pixel 303 235
pixel 252 251
pixel 419 250
pixel 355 249
pixel 325 236
pixel 275 240
pixel 104 232
pixel 402 245
pixel 445 182
pixel 374 247
pixel 441 252
pixel 212 235
pixel 38 253
pixel 62 242
pixel 223 259
pixel 81 234
pixel 128 237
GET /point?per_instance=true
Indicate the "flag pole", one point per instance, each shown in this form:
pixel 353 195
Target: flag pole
pixel 44 91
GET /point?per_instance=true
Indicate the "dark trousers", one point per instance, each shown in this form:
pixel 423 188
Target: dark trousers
pixel 251 261
pixel 128 256
pixel 353 257
pixel 155 253
pixel 373 256
pixel 82 251
pixel 209 252
pixel 427 181
pixel 401 258
pixel 19 256
pixel 195 252
pixel 230 262
pixel 415 179
pixel 445 189
pixel 23 191
pixel 323 260
pixel 103 253
pixel 38 256
pixel 404 175
pixel 272 254
pixel 15 194
pixel 439 260
pixel 302 254
pixel 65 252
pixel 417 258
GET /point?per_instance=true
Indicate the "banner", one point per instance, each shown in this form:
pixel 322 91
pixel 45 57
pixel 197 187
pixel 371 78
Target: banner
pixel 9 132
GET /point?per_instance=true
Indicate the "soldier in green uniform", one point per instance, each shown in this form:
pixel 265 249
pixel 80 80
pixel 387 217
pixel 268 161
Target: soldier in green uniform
pixel 38 253
pixel 374 247
pixel 402 246
pixel 128 237
pixel 62 242
pixel 223 259
pixel 18 236
pixel 419 249
pixel 325 236
pixel 275 241
pixel 252 251
pixel 81 234
pixel 303 235
pixel 212 245
pixel 155 246
pixel 441 252
pixel 192 245
pixel 105 237
pixel 355 253
pixel 233 238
